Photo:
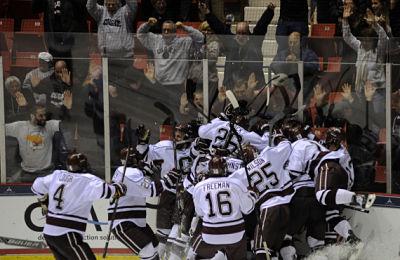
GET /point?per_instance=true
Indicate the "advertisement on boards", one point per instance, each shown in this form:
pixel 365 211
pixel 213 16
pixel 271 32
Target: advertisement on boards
pixel 22 220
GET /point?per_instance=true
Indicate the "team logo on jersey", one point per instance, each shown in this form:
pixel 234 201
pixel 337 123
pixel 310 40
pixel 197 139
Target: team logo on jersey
pixel 112 22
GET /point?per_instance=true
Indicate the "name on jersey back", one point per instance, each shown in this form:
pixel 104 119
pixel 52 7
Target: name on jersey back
pixel 255 163
pixel 66 178
pixel 216 186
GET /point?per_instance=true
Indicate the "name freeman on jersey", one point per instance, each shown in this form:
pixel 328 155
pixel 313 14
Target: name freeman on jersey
pixel 216 186
pixel 254 164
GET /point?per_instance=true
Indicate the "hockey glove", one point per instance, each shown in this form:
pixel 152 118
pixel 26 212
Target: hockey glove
pixel 152 169
pixel 120 190
pixel 44 203
pixel 171 178
pixel 143 134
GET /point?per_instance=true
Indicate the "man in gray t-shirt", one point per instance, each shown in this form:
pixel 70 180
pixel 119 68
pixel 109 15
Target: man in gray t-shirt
pixel 35 141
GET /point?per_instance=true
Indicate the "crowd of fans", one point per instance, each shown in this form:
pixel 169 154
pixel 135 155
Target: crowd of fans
pixel 353 97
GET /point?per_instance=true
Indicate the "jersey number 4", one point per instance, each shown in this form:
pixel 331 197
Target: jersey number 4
pixel 223 202
pixel 58 196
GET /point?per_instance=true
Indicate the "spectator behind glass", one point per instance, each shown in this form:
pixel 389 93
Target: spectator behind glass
pixel 293 18
pixel 165 10
pixel 210 50
pixel 395 17
pixel 171 55
pixel 45 69
pixel 370 51
pixel 17 101
pixel 115 27
pixel 115 35
pixel 66 28
pixel 380 8
pixel 243 52
pixel 35 141
pixel 55 92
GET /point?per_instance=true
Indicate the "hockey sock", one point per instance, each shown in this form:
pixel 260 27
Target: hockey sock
pixel 343 228
pixel 315 244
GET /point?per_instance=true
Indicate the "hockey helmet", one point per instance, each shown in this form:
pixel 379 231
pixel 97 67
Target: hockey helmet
pixel 132 159
pixel 334 137
pixel 217 166
pixel 77 162
pixel 238 115
pixel 277 137
pixel 292 129
pixel 249 153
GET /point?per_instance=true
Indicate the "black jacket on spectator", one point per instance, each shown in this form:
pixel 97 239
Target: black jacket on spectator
pixel 294 10
pixel 12 111
pixel 240 59
pixel 171 13
pixel 395 20
pixel 54 89
pixel 67 16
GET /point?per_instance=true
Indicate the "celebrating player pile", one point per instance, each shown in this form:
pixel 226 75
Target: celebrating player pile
pixel 225 192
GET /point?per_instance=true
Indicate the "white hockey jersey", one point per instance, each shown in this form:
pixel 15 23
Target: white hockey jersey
pixel 132 206
pixel 268 176
pixel 164 150
pixel 221 203
pixel 218 131
pixel 71 196
pixel 304 151
pixel 344 159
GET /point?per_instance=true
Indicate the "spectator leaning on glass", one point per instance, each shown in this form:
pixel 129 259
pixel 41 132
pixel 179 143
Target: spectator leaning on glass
pixel 35 141
pixel 45 69
pixel 171 54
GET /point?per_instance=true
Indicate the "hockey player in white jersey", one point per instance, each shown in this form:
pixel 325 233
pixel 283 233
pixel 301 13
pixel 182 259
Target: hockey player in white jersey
pixel 70 197
pixel 220 133
pixel 334 177
pixel 164 150
pixel 142 180
pixel 271 181
pixel 220 202
pixel 305 210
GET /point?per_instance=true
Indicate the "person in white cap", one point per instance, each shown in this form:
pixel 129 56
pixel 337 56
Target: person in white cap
pixel 45 69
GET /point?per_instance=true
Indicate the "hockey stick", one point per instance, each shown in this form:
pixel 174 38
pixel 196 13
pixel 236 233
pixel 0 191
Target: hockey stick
pixel 262 89
pixel 22 242
pixel 122 180
pixel 356 209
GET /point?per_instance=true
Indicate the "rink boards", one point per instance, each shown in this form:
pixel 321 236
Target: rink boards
pixel 21 218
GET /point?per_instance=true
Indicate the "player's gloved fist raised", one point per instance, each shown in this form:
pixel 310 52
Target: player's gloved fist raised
pixel 143 134
pixel 171 178
pixel 120 190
